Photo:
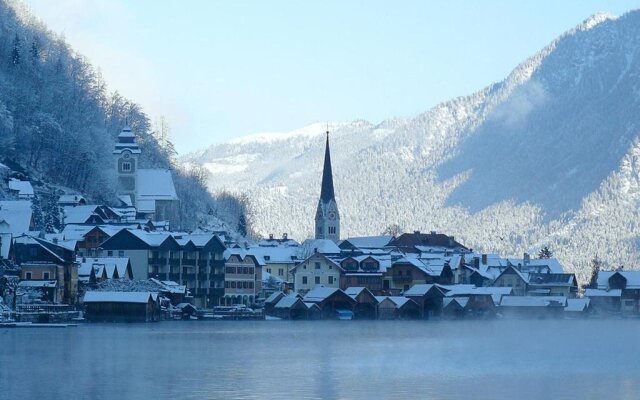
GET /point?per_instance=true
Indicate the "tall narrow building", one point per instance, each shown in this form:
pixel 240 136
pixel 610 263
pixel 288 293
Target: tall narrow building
pixel 327 216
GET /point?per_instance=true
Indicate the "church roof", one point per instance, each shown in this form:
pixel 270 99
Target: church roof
pixel 327 193
pixel 156 184
pixel 126 141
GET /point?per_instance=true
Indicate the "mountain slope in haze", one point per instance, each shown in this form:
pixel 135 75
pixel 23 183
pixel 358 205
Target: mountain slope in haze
pixel 546 157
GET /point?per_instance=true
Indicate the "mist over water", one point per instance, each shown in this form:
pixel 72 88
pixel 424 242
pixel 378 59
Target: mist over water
pixel 506 359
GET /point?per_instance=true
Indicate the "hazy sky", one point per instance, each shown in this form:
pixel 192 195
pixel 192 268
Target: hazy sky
pixel 218 70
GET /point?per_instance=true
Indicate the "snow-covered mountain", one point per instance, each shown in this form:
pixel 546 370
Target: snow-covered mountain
pixel 549 156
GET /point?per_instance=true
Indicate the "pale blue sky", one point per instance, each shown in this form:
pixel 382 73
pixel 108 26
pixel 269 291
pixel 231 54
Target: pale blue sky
pixel 223 69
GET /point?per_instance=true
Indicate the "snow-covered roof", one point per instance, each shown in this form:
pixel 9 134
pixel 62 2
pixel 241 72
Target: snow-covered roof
pixel 79 214
pixel 243 253
pixel 399 301
pixel 533 301
pixel 495 292
pixel 577 305
pixel 632 277
pixel 17 214
pixel 38 284
pixel 370 242
pixel 277 254
pixel 108 264
pixel 274 296
pixel 461 301
pixel 421 289
pixel 119 297
pixel 23 188
pixel 324 246
pixel 126 200
pixel 155 184
pixel 288 301
pixel 319 293
pixel 602 293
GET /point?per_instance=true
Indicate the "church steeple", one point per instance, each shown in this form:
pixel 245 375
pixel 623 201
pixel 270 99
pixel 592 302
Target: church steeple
pixel 327 215
pixel 326 192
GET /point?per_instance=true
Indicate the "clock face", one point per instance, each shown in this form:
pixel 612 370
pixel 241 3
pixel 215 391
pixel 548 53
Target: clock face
pixel 332 215
pixel 126 155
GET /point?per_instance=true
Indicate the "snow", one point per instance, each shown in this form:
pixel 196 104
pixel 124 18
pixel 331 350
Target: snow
pixel 602 293
pixel 577 305
pixel 119 297
pixel 287 301
pixel 24 188
pixel 78 214
pixel 532 301
pixel 155 184
pixel 17 214
pixel 632 277
pixel 370 242
pixel 38 284
pixel 319 294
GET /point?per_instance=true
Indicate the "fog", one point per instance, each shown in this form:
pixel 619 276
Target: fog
pixel 502 359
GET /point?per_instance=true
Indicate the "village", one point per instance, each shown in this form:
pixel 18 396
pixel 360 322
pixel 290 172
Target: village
pixel 125 263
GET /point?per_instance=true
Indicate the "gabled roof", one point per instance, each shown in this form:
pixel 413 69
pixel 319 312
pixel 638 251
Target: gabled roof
pixel 17 214
pixel 319 255
pixel 119 297
pixel 81 214
pixel 274 297
pixel 423 289
pixel 155 184
pixel 320 293
pixel 632 277
pixel 243 254
pixel 399 301
pixel 354 292
pixel 23 188
pixel 324 246
pixel 433 239
pixel 289 301
pixel 577 305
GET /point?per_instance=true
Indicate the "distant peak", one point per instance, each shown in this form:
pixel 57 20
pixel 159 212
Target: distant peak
pixel 595 20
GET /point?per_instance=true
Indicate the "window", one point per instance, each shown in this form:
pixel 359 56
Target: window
pixel 120 253
pixel 267 258
pixel 27 275
pixel 304 280
pixel 317 280
pixel 269 270
pixel 317 265
pixel 45 275
pixel 331 280
pixel 126 166
pixel 280 271
pixel 110 253
pixel 227 285
pixel 233 284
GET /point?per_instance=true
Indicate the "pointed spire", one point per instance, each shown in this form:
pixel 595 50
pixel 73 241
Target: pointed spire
pixel 326 193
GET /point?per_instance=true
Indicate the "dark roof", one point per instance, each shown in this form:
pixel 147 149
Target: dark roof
pixel 327 193
pixel 426 239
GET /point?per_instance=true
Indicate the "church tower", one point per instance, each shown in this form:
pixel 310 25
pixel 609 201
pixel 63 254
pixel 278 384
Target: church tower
pixel 327 216
pixel 126 155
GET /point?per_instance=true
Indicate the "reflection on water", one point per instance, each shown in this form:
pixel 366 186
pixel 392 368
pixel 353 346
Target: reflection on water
pixel 324 360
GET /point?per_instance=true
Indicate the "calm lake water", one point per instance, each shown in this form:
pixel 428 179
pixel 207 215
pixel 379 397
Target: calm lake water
pixel 324 360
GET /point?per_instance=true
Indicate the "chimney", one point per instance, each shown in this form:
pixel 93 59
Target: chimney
pixel 527 258
pixel 285 236
pixel 433 232
pixel 416 232
pixel 271 236
pixel 476 262
pixel 484 259
pixel 451 240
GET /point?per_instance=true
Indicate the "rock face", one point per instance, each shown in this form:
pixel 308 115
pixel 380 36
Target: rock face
pixel 549 156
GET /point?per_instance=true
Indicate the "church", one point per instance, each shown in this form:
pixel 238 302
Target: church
pixel 150 191
pixel 327 215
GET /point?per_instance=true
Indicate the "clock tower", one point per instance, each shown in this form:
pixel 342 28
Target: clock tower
pixel 327 215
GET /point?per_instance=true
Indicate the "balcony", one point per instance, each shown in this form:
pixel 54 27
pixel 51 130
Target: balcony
pixel 174 262
pixel 202 263
pixel 203 277
pixel 216 263
pixel 174 277
pixel 157 260
pixel 202 291
pixel 188 261
pixel 189 277
pixel 402 279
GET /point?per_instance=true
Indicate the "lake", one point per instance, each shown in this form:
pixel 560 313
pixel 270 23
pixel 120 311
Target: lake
pixel 501 359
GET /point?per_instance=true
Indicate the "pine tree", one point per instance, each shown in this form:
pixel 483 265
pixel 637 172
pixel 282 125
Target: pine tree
pixel 35 53
pixel 545 253
pixel 242 225
pixel 15 53
pixel 36 208
pixel 596 266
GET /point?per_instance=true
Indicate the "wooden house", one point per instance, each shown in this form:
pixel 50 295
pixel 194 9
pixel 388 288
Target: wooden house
pixel 121 306
pixel 366 303
pixel 397 307
pixel 330 300
pixel 428 297
pixel 533 306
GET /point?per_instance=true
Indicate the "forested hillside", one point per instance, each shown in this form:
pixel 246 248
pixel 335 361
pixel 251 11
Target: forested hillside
pixel 58 122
